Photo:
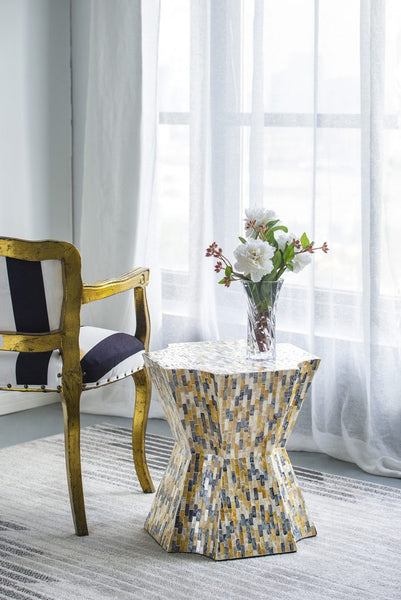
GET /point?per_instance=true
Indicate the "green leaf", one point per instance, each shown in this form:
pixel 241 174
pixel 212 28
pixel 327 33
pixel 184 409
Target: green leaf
pixel 280 228
pixel 304 241
pixel 222 280
pixel 228 271
pixel 272 223
pixel 289 266
pixel 241 239
pixel 289 252
pixel 270 234
pixel 277 259
pixel 270 239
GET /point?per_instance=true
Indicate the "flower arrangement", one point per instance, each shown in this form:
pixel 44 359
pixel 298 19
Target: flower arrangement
pixel 269 251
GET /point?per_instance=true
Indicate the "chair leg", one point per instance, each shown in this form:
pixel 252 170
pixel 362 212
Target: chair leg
pixel 72 432
pixel 143 388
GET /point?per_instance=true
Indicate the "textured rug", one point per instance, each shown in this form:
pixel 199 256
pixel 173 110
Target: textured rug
pixel 356 553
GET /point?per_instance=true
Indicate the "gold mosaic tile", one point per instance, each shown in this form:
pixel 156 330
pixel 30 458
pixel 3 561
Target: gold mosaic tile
pixel 229 490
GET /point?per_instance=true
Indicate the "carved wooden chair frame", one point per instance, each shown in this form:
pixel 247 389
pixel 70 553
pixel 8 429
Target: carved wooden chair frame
pixel 67 340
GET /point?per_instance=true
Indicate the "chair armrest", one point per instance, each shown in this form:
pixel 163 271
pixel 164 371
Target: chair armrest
pixel 137 278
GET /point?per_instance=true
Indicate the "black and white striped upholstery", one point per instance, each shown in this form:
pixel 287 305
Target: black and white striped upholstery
pixel 31 300
pixel 31 295
pixel 108 355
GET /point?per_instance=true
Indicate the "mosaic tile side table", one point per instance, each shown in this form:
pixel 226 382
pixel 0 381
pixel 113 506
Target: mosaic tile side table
pixel 229 490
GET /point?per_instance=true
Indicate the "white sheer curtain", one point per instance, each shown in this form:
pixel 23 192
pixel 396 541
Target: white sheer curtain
pixel 116 163
pixel 293 106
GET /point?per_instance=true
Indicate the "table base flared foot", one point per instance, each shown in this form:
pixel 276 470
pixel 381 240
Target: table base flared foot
pixel 229 508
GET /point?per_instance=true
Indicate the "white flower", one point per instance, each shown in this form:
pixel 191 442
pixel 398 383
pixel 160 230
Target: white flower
pixel 261 216
pixel 283 239
pixel 300 261
pixel 254 259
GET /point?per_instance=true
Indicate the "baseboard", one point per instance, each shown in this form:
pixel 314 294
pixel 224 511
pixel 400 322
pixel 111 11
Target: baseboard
pixel 11 402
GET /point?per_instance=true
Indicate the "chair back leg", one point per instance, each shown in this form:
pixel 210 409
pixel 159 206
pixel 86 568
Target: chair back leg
pixel 143 389
pixel 70 399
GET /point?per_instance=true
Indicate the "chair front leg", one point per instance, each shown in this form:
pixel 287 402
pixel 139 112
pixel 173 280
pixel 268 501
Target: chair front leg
pixel 143 388
pixel 70 399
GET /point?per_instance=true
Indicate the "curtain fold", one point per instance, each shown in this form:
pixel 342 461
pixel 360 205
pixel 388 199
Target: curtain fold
pixel 257 124
pixel 200 299
pixel 118 161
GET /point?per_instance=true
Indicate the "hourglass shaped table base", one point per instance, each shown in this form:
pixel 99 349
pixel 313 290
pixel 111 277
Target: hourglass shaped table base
pixel 229 490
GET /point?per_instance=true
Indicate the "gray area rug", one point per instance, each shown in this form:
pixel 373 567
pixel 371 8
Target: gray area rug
pixel 356 553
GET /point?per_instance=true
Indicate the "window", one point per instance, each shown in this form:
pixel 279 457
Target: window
pixel 315 152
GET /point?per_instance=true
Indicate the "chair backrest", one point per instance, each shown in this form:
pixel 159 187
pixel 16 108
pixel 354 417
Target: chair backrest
pixel 31 295
pixel 40 294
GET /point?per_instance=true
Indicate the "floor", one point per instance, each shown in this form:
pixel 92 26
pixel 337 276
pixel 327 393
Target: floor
pixel 39 422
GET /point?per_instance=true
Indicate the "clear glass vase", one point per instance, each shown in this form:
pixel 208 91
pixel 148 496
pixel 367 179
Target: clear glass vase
pixel 262 299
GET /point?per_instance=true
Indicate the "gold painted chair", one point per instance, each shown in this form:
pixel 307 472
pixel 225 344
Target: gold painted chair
pixel 44 348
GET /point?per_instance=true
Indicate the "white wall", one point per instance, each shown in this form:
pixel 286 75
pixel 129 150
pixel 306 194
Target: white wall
pixel 35 132
pixel 35 119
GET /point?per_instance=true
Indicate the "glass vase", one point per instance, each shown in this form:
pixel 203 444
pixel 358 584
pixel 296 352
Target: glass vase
pixel 262 299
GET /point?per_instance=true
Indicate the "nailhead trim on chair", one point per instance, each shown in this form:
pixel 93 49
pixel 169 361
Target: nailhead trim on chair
pixel 99 352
